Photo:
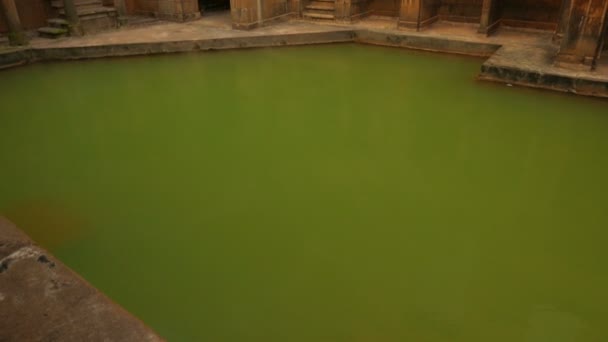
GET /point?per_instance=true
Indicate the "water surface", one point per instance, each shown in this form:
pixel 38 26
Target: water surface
pixel 326 193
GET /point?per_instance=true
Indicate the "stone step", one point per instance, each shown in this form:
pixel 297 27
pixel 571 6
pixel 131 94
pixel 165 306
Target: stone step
pixel 52 32
pixel 91 10
pixel 78 3
pixel 58 23
pixel 322 3
pixel 136 20
pixel 323 7
pixel 318 16
pixel 323 12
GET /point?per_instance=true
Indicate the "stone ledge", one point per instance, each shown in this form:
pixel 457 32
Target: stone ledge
pixel 121 50
pixel 43 300
pixel 534 79
pixel 508 59
pixel 418 42
pixel 14 57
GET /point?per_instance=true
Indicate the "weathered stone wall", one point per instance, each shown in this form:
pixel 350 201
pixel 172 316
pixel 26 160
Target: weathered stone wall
pixel 33 14
pixel 429 10
pixel 490 16
pixel 149 7
pixel 385 7
pixel 416 14
pixel 536 10
pixel 248 14
pixel 582 38
pixel 275 8
pixel 460 10
pixel 244 13
pixel 359 8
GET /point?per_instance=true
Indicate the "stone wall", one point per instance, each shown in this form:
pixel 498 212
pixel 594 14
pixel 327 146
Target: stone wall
pixel 525 13
pixel 248 14
pixel 147 7
pixel 429 10
pixel 361 8
pixel 244 13
pixel 460 10
pixel 33 14
pixel 275 8
pixel 584 25
pixel 385 7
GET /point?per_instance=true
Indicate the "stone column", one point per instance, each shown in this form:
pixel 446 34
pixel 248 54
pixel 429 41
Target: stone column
pixel 416 14
pixel 583 35
pixel 342 10
pixel 244 14
pixel 121 7
pixel 71 15
pixel 564 18
pixel 409 14
pixel 15 31
pixel 490 18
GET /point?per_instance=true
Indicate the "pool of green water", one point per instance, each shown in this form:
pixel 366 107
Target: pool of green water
pixel 324 193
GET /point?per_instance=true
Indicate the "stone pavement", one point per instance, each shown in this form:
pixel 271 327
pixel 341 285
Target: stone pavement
pixel 43 300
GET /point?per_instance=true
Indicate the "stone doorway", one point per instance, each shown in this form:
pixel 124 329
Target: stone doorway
pixel 213 6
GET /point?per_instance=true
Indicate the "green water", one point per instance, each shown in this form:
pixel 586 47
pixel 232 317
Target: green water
pixel 327 193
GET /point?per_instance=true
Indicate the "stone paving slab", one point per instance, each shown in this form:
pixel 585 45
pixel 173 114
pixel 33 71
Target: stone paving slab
pixel 43 300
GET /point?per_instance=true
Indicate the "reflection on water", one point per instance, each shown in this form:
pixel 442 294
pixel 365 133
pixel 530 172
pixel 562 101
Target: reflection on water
pixel 50 225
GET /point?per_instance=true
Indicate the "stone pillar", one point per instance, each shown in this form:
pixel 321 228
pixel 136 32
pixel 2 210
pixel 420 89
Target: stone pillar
pixel 178 10
pixel 583 35
pixel 416 14
pixel 244 14
pixel 15 32
pixel 409 14
pixel 342 10
pixel 71 15
pixel 490 16
pixel 121 8
pixel 564 18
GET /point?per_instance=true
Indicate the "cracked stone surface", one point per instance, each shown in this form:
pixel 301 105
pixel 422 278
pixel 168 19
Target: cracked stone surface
pixel 43 300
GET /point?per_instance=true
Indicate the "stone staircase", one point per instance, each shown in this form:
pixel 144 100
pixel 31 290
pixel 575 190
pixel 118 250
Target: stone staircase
pixel 94 17
pixel 322 10
pixel 56 28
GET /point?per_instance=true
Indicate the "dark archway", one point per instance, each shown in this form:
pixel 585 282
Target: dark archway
pixel 213 5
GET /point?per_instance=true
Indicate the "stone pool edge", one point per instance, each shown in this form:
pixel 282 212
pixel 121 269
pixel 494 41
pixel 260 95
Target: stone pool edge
pixel 42 299
pixel 563 81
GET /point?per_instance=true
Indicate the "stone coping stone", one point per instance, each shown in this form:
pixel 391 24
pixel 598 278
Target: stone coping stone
pixel 41 299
